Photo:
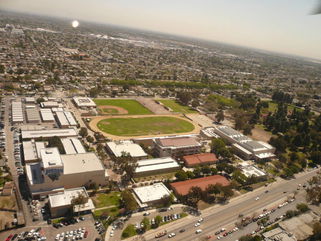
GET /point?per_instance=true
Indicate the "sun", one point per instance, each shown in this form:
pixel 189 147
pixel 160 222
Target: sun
pixel 75 24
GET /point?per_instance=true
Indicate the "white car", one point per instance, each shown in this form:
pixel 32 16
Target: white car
pixel 171 235
pixel 257 198
pixel 197 224
pixel 198 231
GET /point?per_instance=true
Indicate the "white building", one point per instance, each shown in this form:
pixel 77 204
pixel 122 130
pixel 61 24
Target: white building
pixel 151 195
pixel 245 146
pixel 47 115
pixel 84 102
pixel 61 203
pixel 49 104
pixel 17 112
pixel 31 150
pixel 251 170
pixel 36 134
pixel 65 119
pixel 72 145
pixel 156 166
pixel 56 172
pixel 120 148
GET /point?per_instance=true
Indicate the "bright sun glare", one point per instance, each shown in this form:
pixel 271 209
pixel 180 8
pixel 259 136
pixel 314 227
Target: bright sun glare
pixel 75 24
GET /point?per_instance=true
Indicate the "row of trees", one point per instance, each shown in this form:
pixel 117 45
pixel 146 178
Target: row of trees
pixel 213 193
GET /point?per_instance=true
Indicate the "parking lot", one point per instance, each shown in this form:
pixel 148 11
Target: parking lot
pixel 49 232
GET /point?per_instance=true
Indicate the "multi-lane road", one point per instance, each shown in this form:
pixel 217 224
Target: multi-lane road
pixel 226 215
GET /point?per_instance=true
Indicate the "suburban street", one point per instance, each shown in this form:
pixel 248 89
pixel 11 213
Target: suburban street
pixel 225 216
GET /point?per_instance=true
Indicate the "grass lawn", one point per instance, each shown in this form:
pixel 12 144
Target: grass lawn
pixel 109 211
pixel 105 200
pixel 144 126
pixel 129 231
pixel 176 107
pixel 273 107
pixel 223 101
pixel 132 106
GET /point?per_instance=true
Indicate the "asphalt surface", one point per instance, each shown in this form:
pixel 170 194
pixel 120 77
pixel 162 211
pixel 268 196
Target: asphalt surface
pixel 226 215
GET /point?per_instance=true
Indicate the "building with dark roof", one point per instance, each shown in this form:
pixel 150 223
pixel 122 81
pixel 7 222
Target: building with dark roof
pixel 182 188
pixel 200 159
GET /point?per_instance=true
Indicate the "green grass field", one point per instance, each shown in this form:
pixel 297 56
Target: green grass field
pixel 132 106
pixel 176 107
pixel 144 126
pixel 105 200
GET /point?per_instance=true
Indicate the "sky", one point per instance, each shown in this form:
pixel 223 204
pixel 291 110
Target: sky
pixel 284 26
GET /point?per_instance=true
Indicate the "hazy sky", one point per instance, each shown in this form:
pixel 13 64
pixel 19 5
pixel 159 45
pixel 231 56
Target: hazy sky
pixel 277 25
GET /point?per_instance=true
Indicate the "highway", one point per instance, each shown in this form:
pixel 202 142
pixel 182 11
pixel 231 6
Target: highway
pixel 226 215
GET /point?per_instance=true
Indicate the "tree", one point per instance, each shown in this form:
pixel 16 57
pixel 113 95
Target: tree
pixel 40 99
pixel 181 175
pixel 219 116
pixel 55 141
pixel 83 132
pixel 90 139
pixel 195 103
pixel 158 220
pixel 126 165
pixel 80 200
pixel 250 238
pixel 302 207
pixel 145 224
pixel 166 200
pixel 184 97
pixel 128 200
pixel 218 146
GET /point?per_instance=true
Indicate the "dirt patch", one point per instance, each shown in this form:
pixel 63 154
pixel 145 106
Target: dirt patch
pixel 260 134
pixel 119 111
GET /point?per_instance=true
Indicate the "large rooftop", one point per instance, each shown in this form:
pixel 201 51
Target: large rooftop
pixel 183 187
pixel 81 162
pixel 51 158
pixel 84 102
pixel 151 193
pixel 198 159
pixel 178 142
pixel 30 134
pixel 119 148
pixel 156 164
pixel 65 198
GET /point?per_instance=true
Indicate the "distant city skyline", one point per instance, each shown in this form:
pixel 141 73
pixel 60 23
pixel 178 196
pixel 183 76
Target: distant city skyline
pixel 283 26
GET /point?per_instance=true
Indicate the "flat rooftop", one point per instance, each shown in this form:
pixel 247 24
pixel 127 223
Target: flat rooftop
pixel 65 198
pixel 177 142
pixel 84 102
pixel 51 158
pixel 151 193
pixel 33 173
pixel 183 187
pixel 72 145
pixel 30 134
pixel 156 164
pixel 81 162
pixel 133 149
pixel 198 159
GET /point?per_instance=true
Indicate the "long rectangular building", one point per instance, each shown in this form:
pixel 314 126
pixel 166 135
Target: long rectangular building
pixel 72 146
pixel 17 112
pixel 46 115
pixel 65 119
pixel 156 166
pixel 245 146
pixel 36 134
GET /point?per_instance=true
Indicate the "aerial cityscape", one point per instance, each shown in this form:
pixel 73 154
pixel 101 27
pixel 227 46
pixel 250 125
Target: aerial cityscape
pixel 116 133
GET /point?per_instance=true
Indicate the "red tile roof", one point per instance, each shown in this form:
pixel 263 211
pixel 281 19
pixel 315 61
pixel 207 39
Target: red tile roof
pixel 183 187
pixel 198 159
